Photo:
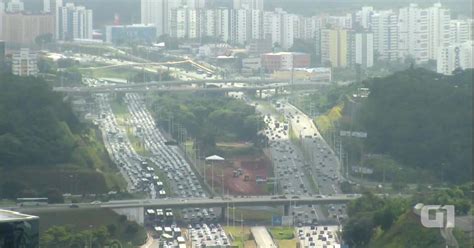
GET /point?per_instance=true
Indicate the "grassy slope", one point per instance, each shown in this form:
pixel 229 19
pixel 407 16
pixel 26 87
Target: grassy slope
pixel 239 235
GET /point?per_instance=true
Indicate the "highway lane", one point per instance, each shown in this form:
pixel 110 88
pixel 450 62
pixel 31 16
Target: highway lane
pixel 324 166
pixel 290 167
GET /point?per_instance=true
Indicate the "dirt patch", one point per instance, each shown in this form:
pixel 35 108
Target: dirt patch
pixel 240 175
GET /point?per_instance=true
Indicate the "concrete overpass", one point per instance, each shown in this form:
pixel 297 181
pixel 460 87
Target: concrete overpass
pixel 143 88
pixel 135 209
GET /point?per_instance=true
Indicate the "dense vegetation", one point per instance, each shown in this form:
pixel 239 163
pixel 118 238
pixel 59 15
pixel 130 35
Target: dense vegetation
pixel 419 125
pixel 423 120
pixel 208 119
pixel 44 149
pixel 36 127
pixel 111 230
pixel 390 222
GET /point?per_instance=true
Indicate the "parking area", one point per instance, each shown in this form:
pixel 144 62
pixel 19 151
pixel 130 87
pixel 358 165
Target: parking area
pixel 318 236
pixel 203 235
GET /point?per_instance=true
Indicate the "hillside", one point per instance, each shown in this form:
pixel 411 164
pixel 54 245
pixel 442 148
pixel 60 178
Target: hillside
pixel 43 146
pixel 423 120
pixel 390 222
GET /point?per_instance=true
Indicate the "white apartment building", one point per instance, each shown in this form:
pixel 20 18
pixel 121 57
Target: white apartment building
pixel 272 26
pixel 195 4
pixel 24 63
pixel 223 24
pixel 413 33
pixel 438 29
pixel 384 26
pixel 248 4
pixel 344 21
pixel 363 49
pixel 73 22
pixel 46 6
pixel 256 17
pixel 281 27
pixel 461 30
pixel 290 24
pixel 454 57
pixel 364 16
pixel 50 6
pixel 156 12
pixel 240 26
pixel 14 6
pixel 310 27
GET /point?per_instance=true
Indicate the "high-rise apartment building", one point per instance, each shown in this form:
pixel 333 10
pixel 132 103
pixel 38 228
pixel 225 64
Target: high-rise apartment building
pixel 461 30
pixel 73 22
pixel 23 28
pixel 24 63
pixel 256 17
pixel 249 4
pixel 438 29
pixel 223 24
pixel 384 26
pixel 155 12
pixel 413 33
pixel 240 26
pixel 14 6
pixel 457 56
pixel 364 16
pixel 361 49
pixel 195 4
pixel 334 47
pixel 46 6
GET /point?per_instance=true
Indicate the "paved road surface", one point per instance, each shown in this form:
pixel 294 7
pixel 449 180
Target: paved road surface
pixel 262 237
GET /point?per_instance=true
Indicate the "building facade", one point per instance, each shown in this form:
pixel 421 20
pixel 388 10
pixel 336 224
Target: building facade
pixel 24 63
pixel 22 28
pixel 413 33
pixel 439 28
pixel 249 4
pixel 15 6
pixel 461 30
pixel 137 33
pixel 74 22
pixel 155 12
pixel 458 56
pixel 362 49
pixel 334 47
pixel 384 26
pixel 285 61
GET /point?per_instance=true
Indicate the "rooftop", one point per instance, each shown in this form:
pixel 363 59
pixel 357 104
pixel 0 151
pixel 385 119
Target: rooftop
pixel 9 216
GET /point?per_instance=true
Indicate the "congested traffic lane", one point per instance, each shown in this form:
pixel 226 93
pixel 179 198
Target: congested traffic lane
pixel 324 166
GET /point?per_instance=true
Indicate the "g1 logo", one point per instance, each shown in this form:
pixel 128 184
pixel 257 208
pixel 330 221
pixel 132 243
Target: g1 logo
pixel 441 213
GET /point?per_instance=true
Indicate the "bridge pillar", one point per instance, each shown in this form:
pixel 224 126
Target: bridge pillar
pixel 286 209
pixel 223 210
pixel 260 93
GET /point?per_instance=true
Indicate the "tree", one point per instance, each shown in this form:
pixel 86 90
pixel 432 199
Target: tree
pixel 358 231
pixel 112 229
pixel 12 189
pixel 54 196
pixel 43 39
